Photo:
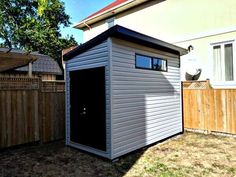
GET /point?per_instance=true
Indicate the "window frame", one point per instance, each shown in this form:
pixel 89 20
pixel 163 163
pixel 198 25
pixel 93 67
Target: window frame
pixel 222 50
pixel 152 63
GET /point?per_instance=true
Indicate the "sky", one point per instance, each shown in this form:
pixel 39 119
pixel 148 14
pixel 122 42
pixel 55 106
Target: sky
pixel 78 10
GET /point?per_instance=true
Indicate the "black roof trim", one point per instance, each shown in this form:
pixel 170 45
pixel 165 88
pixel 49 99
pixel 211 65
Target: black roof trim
pixel 128 35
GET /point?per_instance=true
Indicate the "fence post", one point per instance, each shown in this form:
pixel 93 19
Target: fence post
pixel 40 113
pixel 208 84
pixel 209 108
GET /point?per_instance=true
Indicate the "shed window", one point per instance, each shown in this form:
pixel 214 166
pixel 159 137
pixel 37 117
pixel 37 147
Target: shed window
pixel 159 64
pixel 143 62
pixel 152 63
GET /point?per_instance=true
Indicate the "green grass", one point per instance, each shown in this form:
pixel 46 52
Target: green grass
pixel 187 155
pixel 192 154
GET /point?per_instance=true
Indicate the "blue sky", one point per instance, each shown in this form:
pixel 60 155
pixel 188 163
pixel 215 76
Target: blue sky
pixel 78 10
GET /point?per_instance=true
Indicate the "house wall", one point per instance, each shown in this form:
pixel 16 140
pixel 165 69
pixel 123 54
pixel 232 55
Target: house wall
pixel 182 22
pixel 202 57
pixel 146 104
pixel 95 30
pixel 94 57
pixel 174 20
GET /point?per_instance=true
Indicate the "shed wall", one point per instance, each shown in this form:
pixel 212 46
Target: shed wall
pixel 146 104
pixel 92 58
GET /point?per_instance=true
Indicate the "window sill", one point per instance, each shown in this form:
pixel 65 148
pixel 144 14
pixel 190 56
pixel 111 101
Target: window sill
pixel 223 84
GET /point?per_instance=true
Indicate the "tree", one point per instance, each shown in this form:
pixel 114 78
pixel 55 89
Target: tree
pixel 42 5
pixel 23 26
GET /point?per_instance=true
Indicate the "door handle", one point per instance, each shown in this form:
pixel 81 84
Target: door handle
pixel 83 112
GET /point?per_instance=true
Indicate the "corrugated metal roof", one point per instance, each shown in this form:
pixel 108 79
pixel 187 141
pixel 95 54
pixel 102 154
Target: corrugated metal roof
pixel 44 64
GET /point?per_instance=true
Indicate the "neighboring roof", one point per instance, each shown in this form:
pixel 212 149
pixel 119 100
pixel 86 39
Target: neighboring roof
pixel 108 11
pixel 43 64
pixel 13 58
pixel 128 35
pixel 110 6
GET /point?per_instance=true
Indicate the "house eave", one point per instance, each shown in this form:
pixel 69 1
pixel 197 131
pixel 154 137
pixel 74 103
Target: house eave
pixel 108 13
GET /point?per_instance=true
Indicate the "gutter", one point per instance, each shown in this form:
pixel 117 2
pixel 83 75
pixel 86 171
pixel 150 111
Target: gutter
pixel 87 25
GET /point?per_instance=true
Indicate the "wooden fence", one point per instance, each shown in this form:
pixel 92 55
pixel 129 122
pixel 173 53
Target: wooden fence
pixel 30 110
pixel 209 109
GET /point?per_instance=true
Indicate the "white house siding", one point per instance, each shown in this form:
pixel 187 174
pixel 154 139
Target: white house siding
pixel 183 20
pixel 94 57
pixel 146 104
pixel 94 31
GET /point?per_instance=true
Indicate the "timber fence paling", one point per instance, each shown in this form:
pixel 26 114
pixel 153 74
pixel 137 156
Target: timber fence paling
pixel 210 109
pixel 53 110
pixel 30 111
pixel 17 111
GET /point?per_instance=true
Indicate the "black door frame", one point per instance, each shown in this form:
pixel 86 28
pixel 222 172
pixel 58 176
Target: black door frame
pixel 105 108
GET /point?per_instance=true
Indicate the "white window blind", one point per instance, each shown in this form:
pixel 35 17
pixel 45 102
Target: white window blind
pixel 224 66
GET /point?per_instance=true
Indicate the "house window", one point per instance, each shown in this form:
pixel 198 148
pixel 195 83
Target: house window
pixel 152 63
pixel 224 67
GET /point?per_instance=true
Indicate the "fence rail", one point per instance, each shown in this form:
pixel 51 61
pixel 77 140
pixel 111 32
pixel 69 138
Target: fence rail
pixel 10 83
pixel 210 109
pixel 31 110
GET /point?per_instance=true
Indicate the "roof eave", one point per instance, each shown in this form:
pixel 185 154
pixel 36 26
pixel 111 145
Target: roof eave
pixel 85 23
pixel 108 13
pixel 129 35
pixel 13 60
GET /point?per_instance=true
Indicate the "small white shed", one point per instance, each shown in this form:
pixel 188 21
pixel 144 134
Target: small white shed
pixel 123 92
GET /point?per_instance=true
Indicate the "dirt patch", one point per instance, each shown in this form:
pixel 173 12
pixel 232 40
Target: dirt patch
pixel 191 154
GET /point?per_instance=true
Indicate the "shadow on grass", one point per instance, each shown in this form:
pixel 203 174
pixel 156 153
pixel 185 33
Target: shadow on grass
pixel 55 159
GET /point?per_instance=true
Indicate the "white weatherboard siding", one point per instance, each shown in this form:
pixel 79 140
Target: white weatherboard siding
pixel 94 57
pixel 142 106
pixel 146 104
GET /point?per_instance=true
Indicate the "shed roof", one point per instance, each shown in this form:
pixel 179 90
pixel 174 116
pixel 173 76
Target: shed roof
pixel 128 35
pixel 43 64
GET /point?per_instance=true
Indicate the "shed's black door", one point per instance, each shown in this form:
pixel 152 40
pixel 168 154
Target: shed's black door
pixel 87 113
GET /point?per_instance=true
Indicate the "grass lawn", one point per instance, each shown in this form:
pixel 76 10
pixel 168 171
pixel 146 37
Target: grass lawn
pixel 190 154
